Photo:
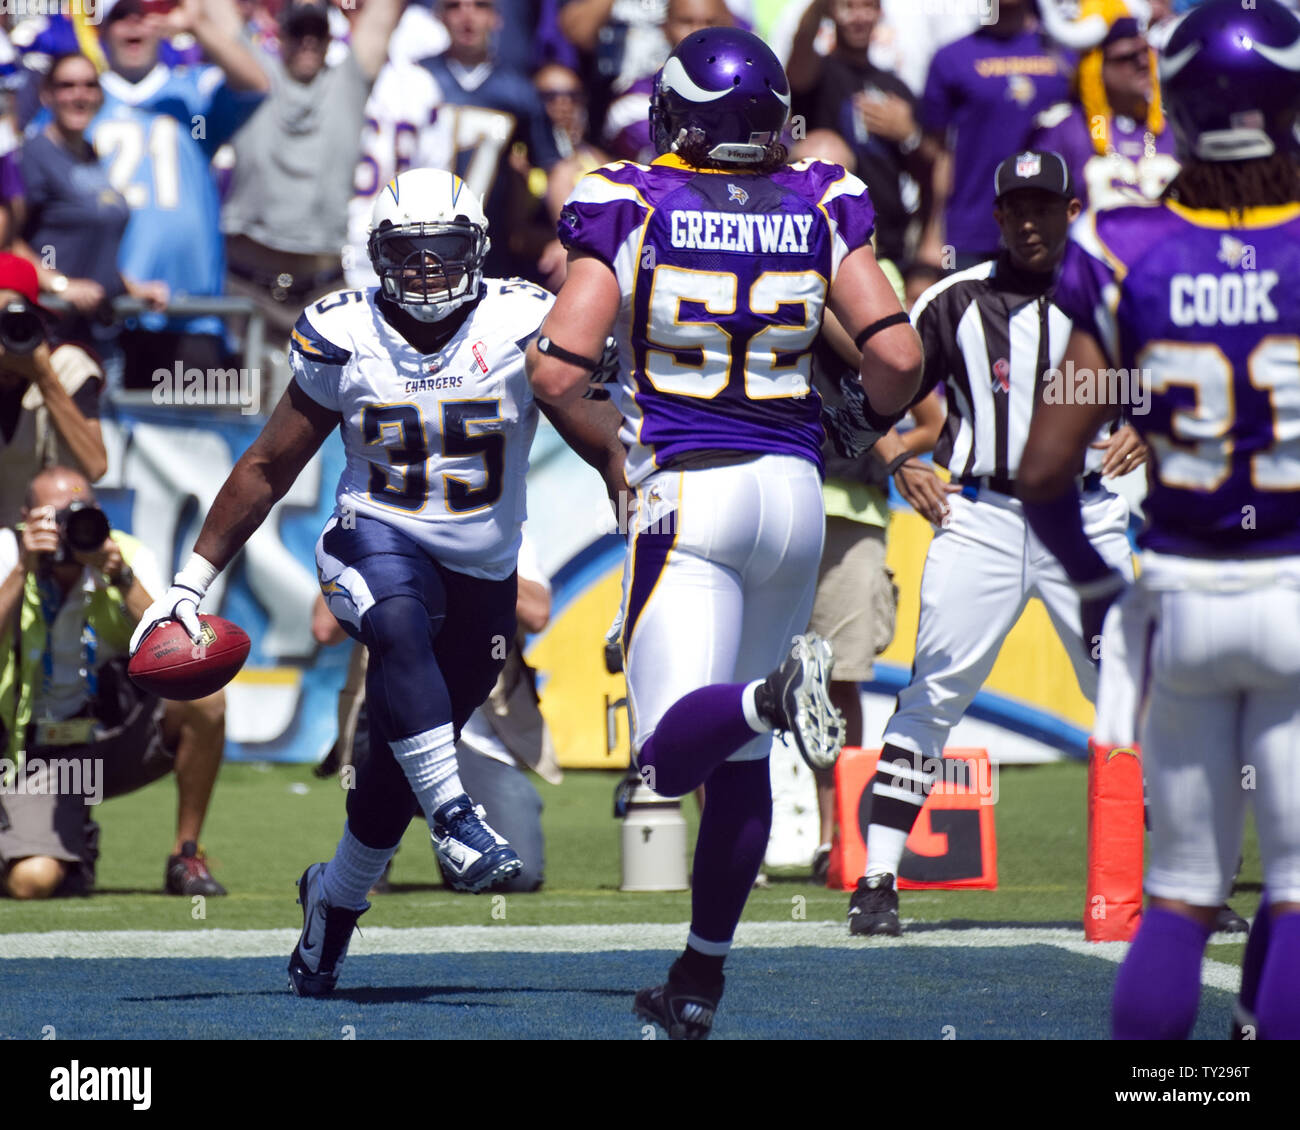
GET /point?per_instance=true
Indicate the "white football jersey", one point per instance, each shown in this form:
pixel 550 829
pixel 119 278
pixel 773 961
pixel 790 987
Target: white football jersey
pixel 400 107
pixel 437 444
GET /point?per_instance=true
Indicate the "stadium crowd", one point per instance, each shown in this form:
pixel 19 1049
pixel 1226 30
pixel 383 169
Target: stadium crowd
pixel 256 135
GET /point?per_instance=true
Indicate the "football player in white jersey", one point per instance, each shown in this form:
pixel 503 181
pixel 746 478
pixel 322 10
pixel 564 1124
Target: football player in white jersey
pixel 425 375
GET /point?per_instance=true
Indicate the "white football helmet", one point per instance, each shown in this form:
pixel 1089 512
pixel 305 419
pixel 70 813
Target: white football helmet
pixel 428 240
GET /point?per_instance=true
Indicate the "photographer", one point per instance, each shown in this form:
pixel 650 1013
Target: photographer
pixel 49 397
pixel 72 593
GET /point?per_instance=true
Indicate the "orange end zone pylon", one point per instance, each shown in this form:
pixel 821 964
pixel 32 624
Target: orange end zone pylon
pixel 1113 905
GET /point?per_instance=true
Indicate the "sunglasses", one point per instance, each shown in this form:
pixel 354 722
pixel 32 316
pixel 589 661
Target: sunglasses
pixel 576 93
pixel 1139 58
pixel 65 84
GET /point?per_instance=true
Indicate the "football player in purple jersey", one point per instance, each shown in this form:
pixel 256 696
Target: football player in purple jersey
pixel 1191 298
pixel 713 267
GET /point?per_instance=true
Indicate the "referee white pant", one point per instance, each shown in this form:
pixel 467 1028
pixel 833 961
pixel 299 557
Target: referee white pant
pixel 980 571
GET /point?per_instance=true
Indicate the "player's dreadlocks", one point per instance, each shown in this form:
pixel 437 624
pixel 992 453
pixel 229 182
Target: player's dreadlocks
pixel 1236 185
pixel 694 150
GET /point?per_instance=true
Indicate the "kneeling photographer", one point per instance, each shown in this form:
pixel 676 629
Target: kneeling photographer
pixel 74 729
pixel 49 393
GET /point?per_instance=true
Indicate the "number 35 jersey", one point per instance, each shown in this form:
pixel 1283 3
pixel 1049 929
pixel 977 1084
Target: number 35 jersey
pixel 724 277
pixel 1199 316
pixel 436 443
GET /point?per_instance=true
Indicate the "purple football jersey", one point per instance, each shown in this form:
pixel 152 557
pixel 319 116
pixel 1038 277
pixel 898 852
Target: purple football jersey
pixel 1201 318
pixel 724 277
pixel 1135 169
pixel 987 91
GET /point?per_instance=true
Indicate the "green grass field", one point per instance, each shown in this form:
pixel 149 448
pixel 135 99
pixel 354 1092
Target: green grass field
pixel 267 822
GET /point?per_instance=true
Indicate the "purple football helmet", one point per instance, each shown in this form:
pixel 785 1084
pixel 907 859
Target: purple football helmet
pixel 727 83
pixel 1230 80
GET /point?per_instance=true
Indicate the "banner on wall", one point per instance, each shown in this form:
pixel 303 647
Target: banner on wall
pixel 165 469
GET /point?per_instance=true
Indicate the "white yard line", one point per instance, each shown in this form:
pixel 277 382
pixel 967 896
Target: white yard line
pixel 557 939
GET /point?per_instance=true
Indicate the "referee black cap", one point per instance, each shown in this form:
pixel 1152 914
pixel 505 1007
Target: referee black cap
pixel 1043 169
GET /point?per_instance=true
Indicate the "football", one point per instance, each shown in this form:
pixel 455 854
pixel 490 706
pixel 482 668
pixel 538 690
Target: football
pixel 169 665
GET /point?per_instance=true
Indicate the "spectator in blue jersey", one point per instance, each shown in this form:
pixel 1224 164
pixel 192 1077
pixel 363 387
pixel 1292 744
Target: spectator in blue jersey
pixel 156 135
pixel 285 216
pixel 981 97
pixel 488 111
pixel 73 218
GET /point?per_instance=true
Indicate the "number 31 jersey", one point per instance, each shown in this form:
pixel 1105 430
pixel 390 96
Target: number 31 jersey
pixel 724 277
pixel 437 444
pixel 1199 313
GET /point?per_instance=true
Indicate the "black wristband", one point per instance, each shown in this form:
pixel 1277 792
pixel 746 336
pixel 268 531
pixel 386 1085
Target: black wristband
pixel 547 346
pixel 884 324
pixel 896 465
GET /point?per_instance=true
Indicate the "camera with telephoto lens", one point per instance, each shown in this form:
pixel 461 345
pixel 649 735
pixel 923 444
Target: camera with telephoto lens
pixel 83 526
pixel 21 328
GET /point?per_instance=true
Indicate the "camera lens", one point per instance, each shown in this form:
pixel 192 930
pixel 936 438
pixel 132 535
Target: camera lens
pixel 21 330
pixel 85 527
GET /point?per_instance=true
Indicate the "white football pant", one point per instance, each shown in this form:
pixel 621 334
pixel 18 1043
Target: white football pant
pixel 737 584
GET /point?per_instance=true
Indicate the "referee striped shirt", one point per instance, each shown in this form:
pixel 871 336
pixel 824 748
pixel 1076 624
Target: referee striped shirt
pixel 990 334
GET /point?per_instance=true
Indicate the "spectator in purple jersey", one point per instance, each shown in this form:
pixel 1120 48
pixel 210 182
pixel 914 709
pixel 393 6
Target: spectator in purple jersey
pixel 627 121
pixel 981 97
pixel 73 218
pixel 872 109
pixel 1114 137
pixel 1193 297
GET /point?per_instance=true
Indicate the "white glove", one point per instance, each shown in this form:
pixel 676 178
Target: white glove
pixel 180 602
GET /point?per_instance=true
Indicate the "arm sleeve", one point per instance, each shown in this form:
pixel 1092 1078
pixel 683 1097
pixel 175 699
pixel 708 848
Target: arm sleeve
pixel 1087 291
pixel 317 363
pixel 852 217
pixel 936 101
pixel 601 213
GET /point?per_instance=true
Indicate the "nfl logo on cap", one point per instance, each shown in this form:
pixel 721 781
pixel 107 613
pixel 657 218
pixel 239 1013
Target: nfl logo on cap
pixel 1029 165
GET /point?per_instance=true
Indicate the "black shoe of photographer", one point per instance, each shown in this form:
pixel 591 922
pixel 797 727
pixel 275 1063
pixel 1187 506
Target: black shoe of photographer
pixel 188 874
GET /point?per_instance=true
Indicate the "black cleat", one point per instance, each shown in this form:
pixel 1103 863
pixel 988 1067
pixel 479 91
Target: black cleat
pixel 326 932
pixel 188 874
pixel 680 1008
pixel 1229 921
pixel 795 699
pixel 873 907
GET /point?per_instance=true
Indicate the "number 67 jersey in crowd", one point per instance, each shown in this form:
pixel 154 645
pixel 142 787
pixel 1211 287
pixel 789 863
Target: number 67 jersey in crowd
pixel 437 444
pixel 724 276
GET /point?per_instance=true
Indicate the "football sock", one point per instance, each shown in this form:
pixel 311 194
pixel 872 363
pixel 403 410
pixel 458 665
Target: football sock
pixel 354 869
pixel 429 762
pixel 702 969
pixel 898 793
pixel 734 829
pixel 1252 964
pixel 696 735
pixel 1278 1003
pixel 1159 983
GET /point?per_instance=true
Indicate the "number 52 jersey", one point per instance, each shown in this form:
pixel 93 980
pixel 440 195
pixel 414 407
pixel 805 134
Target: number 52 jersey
pixel 437 444
pixel 724 277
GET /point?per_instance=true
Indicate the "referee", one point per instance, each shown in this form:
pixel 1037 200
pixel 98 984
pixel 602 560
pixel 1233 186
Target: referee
pixel 990 333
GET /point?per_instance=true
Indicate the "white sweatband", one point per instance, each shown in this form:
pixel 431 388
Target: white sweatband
pixel 197 574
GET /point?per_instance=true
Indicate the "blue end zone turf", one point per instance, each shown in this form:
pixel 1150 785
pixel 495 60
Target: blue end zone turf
pixel 1031 992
